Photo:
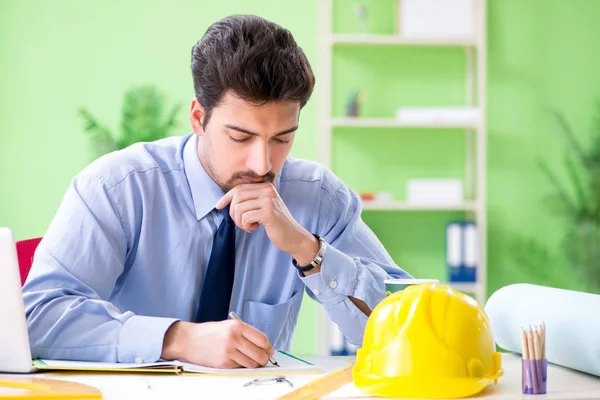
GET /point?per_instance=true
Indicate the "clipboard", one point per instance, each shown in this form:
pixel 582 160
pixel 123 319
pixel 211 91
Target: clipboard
pixel 289 365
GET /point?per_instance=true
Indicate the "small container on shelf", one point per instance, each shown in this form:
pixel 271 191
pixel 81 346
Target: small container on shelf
pixel 435 191
pixel 367 196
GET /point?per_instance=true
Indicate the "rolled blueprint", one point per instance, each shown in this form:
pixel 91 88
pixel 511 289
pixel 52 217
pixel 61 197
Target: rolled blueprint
pixel 572 321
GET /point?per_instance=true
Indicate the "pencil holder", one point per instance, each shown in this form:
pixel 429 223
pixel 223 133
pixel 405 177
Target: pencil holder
pixel 534 374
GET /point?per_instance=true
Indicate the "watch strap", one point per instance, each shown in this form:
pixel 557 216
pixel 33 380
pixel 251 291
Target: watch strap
pixel 316 261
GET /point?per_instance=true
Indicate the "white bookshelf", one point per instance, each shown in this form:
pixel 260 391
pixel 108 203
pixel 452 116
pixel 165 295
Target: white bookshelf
pixel 385 205
pixel 467 287
pixel 358 122
pixel 474 207
pixel 370 39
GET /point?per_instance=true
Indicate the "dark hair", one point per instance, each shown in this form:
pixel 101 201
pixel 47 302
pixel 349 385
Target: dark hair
pixel 258 60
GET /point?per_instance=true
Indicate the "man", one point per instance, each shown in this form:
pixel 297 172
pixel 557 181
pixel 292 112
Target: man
pixel 153 245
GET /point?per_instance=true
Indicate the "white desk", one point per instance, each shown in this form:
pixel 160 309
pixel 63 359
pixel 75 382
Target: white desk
pixel 562 384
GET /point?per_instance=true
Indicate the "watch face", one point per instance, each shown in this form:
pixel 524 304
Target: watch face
pixel 321 250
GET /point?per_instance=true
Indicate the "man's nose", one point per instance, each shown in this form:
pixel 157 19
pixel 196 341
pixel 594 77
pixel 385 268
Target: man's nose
pixel 260 159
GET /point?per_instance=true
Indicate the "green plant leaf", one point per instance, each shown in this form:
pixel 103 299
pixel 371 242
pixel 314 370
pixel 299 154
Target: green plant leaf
pixel 143 119
pixel 594 189
pixel 102 139
pixel 580 244
pixel 143 116
pixel 142 109
pixel 560 192
pixel 533 258
pixel 556 205
pixel 582 208
pixel 571 141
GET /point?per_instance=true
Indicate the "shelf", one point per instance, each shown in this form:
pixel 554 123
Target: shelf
pixel 358 122
pixel 410 117
pixel 349 38
pixel 469 287
pixel 380 205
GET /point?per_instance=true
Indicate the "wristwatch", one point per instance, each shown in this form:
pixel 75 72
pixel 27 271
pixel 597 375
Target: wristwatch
pixel 316 261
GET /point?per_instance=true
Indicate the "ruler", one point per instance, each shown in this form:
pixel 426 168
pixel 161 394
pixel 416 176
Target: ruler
pixel 321 386
pixel 44 389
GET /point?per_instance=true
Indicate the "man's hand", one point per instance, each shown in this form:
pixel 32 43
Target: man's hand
pixel 224 344
pixel 252 204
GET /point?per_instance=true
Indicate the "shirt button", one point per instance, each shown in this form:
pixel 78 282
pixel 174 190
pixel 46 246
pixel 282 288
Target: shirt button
pixel 333 284
pixel 139 360
pixel 316 291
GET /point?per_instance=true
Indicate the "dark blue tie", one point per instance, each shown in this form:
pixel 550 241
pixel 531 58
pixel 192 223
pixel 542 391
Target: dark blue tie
pixel 218 280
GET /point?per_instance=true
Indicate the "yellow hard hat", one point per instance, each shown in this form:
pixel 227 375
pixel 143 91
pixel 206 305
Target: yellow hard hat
pixel 427 340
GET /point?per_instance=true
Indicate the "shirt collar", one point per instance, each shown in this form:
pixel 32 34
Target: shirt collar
pixel 205 192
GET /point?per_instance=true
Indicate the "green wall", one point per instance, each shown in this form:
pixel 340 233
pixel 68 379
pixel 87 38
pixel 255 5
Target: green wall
pixel 543 55
pixel 59 55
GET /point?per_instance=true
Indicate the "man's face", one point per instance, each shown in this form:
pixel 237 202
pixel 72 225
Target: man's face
pixel 243 142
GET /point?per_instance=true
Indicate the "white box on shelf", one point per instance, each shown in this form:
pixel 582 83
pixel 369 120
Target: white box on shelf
pixel 461 116
pixel 435 191
pixel 384 196
pixel 435 19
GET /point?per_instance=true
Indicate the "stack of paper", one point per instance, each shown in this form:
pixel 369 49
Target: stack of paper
pixel 437 19
pixel 288 365
pixel 443 192
pixel 460 116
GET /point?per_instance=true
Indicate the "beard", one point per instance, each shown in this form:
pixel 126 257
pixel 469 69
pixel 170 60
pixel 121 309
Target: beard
pixel 227 184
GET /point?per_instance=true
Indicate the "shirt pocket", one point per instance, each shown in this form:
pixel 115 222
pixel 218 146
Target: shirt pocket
pixel 277 321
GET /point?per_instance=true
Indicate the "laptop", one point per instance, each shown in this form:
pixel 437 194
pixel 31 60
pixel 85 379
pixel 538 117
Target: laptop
pixel 15 353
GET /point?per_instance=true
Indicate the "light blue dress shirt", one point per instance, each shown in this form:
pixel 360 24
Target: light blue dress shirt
pixel 126 253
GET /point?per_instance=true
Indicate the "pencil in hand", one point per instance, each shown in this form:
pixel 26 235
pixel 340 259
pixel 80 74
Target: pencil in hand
pixel 233 315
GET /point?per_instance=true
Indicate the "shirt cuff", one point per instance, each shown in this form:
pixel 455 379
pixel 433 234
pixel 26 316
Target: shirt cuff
pixel 336 280
pixel 141 339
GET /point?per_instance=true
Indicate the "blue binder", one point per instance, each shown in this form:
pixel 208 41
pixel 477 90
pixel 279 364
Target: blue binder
pixel 461 251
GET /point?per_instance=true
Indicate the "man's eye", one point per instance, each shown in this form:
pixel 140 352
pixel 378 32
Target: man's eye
pixel 239 140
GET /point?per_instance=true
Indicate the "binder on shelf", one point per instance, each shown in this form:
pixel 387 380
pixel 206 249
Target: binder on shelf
pixel 351 349
pixel 454 250
pixel 470 251
pixel 339 344
pixel 461 251
pixel 337 340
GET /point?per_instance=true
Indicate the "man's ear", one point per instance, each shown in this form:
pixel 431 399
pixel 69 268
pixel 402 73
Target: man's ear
pixel 197 117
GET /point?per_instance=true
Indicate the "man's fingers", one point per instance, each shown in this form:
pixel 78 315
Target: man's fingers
pixel 241 196
pixel 238 210
pixel 258 338
pixel 246 195
pixel 226 199
pixel 227 363
pixel 250 219
pixel 243 360
pixel 254 352
pixel 244 192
